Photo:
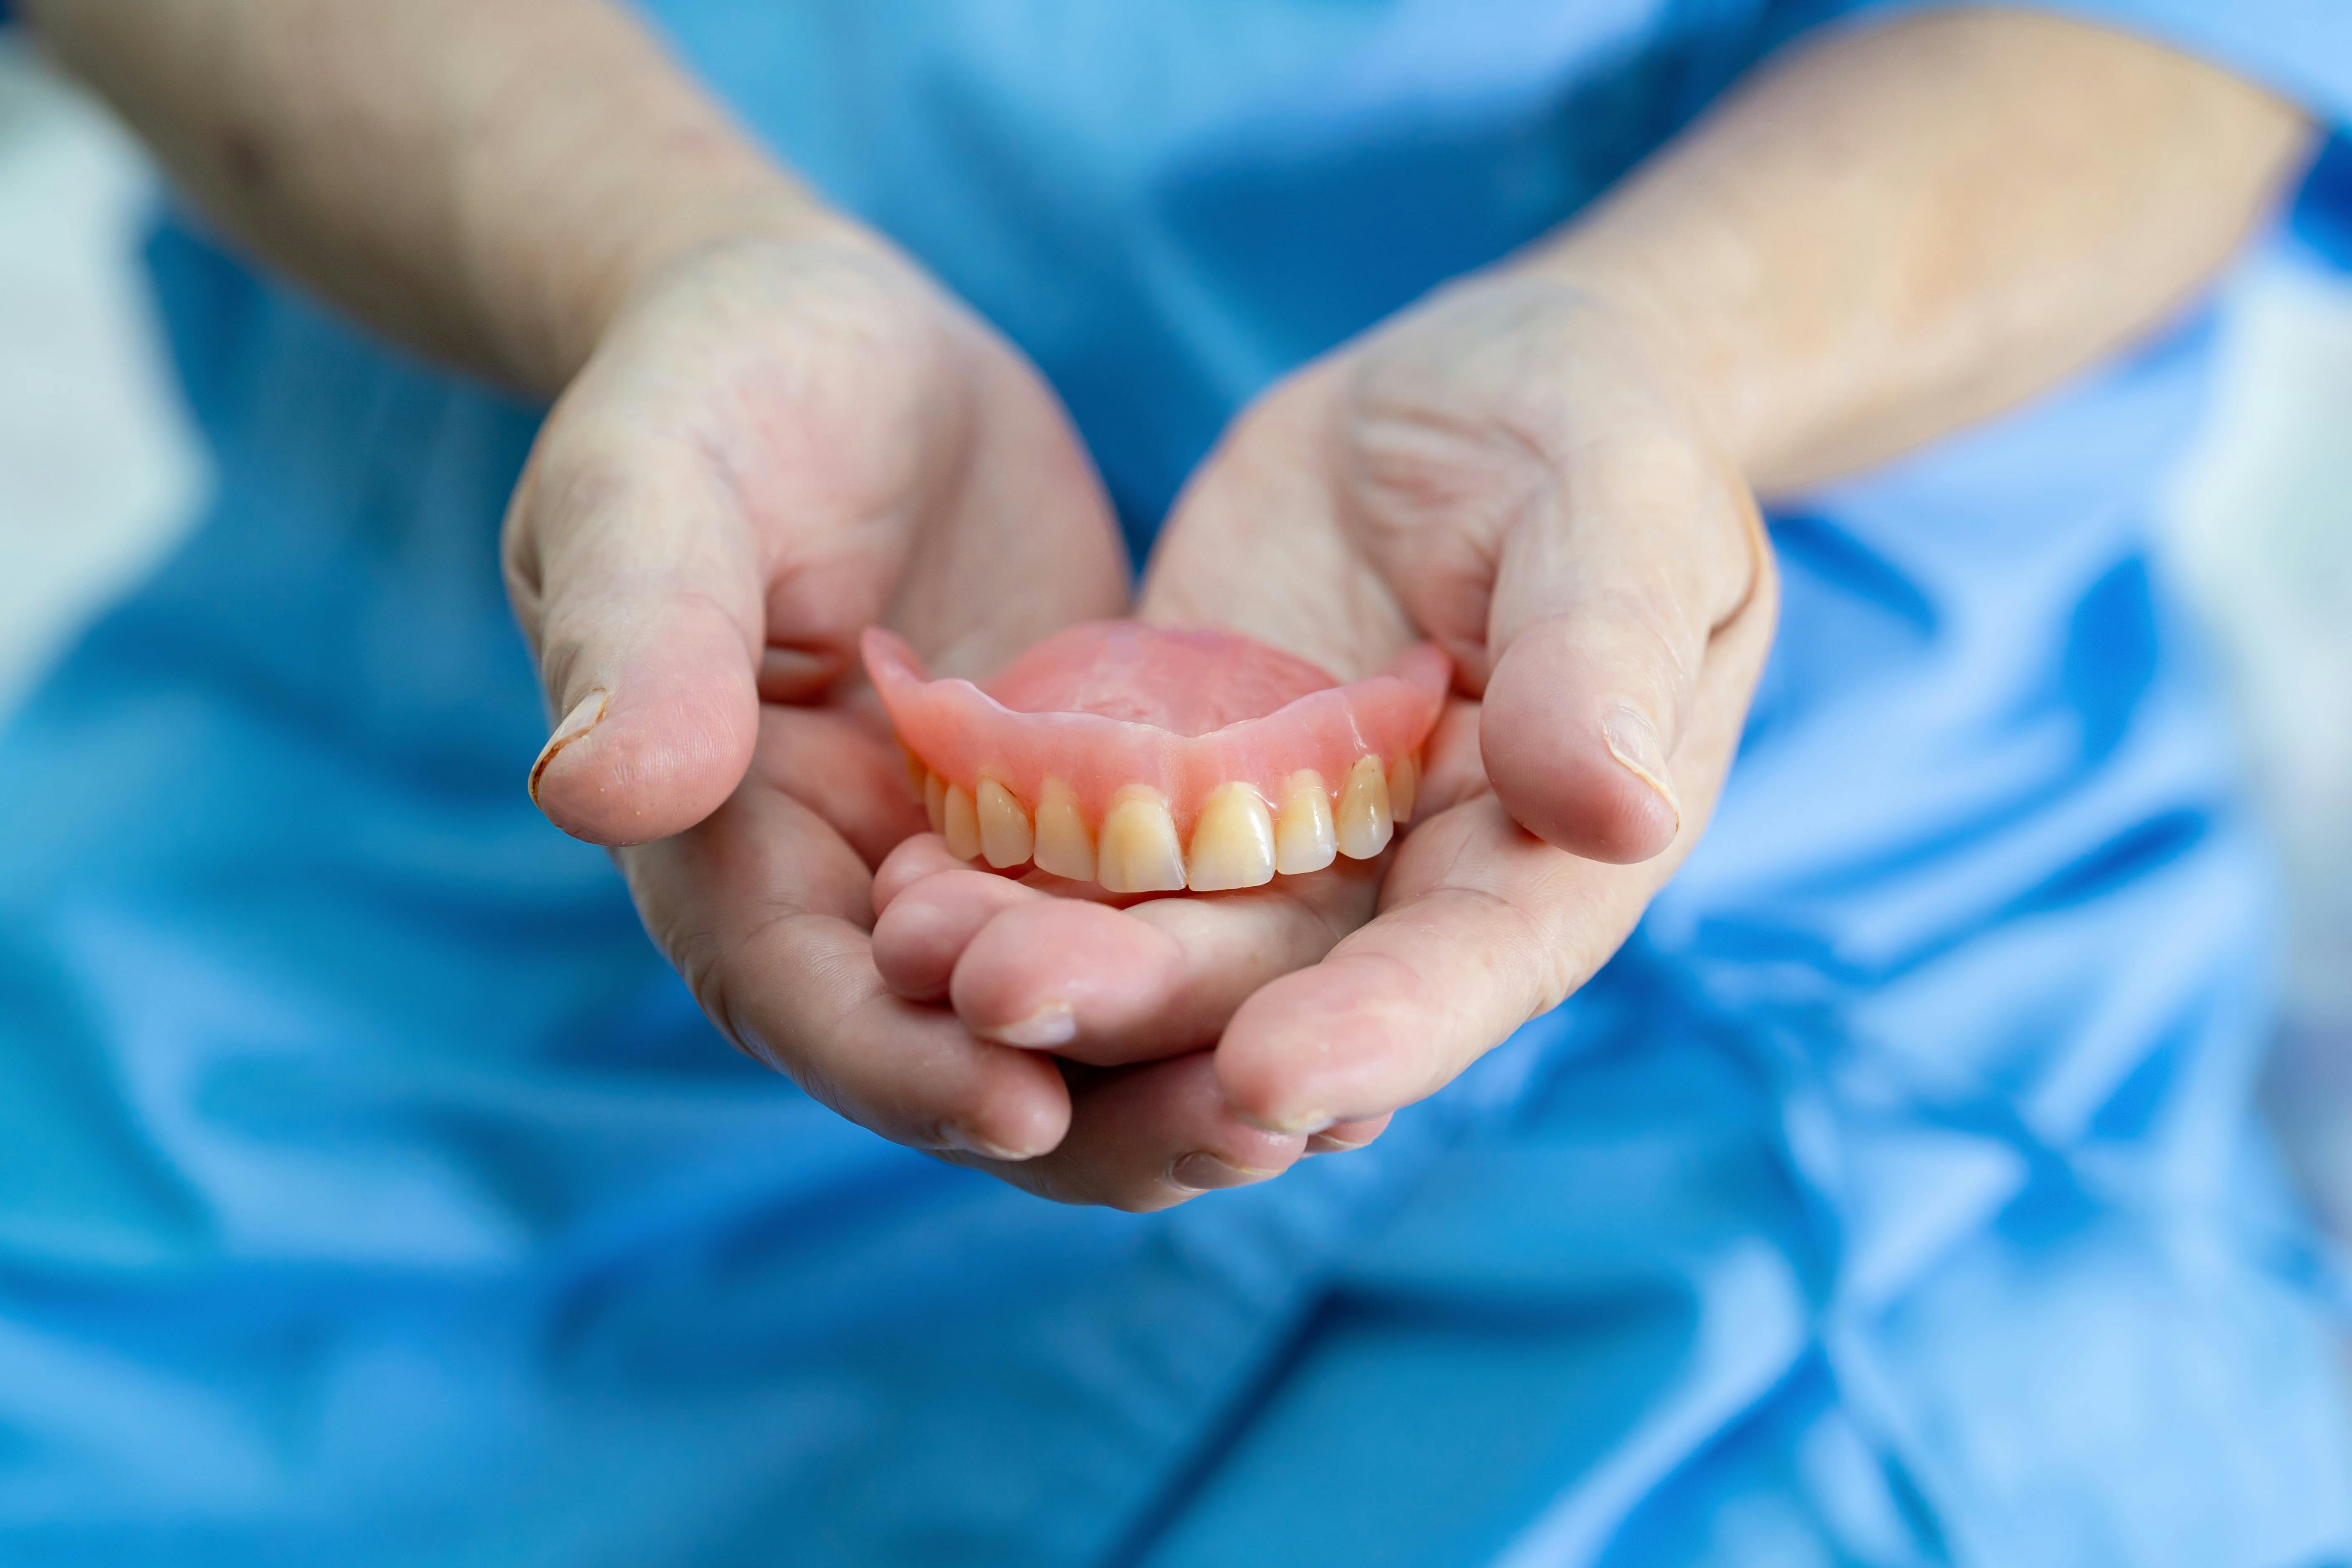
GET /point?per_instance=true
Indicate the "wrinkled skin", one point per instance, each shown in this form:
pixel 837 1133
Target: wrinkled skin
pixel 778 442
pixel 1503 470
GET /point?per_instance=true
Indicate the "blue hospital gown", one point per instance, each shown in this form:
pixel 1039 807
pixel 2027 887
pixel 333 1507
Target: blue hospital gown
pixel 371 1192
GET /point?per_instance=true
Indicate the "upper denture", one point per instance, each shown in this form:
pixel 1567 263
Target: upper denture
pixel 1104 728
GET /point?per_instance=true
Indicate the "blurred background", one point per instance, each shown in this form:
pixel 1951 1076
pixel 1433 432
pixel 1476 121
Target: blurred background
pixel 100 473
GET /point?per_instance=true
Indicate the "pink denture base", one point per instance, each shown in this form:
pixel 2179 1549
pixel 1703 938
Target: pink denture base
pixel 1116 703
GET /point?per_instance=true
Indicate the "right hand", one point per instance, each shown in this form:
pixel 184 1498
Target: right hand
pixel 776 443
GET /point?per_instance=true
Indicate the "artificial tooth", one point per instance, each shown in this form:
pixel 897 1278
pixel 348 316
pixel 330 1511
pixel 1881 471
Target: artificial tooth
pixel 1363 822
pixel 1303 837
pixel 1404 786
pixel 1232 842
pixel 915 771
pixel 1004 836
pixel 1064 847
pixel 962 825
pixel 1138 852
pixel 935 801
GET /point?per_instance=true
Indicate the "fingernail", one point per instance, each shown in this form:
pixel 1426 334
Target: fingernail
pixel 957 1138
pixel 1324 1143
pixel 1203 1172
pixel 583 717
pixel 1048 1026
pixel 1296 1121
pixel 1633 741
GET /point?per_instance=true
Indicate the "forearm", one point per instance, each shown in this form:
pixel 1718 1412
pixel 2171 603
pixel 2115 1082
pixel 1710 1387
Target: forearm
pixel 1904 229
pixel 485 180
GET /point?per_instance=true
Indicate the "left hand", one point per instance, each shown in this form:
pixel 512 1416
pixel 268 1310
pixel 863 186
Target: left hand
pixel 1512 470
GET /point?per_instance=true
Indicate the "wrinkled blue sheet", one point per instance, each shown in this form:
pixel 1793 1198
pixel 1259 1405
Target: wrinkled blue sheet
pixel 372 1193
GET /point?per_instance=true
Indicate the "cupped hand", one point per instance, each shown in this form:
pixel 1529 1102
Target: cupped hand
pixel 777 443
pixel 1510 469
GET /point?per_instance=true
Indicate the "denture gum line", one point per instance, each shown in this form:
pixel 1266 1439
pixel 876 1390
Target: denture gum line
pixel 1240 839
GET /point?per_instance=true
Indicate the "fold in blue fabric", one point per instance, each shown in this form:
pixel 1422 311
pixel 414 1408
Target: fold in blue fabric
pixel 374 1194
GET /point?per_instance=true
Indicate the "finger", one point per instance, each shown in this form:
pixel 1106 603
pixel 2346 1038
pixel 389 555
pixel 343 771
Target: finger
pixel 1148 1137
pixel 940 903
pixel 1448 970
pixel 1106 986
pixel 914 858
pixel 760 907
pixel 926 929
pixel 1483 926
pixel 791 674
pixel 639 590
pixel 1600 666
pixel 1607 598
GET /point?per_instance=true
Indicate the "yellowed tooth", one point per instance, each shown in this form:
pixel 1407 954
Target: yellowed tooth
pixel 1404 787
pixel 915 771
pixel 1363 822
pixel 935 801
pixel 1064 847
pixel 1138 852
pixel 1232 842
pixel 962 826
pixel 1005 835
pixel 1303 838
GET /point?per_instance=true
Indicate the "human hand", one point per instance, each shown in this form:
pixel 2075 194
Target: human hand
pixel 1511 470
pixel 775 444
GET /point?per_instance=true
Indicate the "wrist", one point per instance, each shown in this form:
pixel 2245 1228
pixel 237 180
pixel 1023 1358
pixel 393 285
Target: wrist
pixel 547 298
pixel 1681 351
pixel 1603 342
pixel 583 161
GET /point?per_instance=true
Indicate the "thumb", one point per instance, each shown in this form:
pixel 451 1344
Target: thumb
pixel 1606 603
pixel 639 589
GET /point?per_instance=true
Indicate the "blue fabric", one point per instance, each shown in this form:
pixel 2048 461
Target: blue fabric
pixel 2323 208
pixel 374 1194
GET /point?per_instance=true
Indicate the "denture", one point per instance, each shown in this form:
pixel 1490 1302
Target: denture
pixel 1154 759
